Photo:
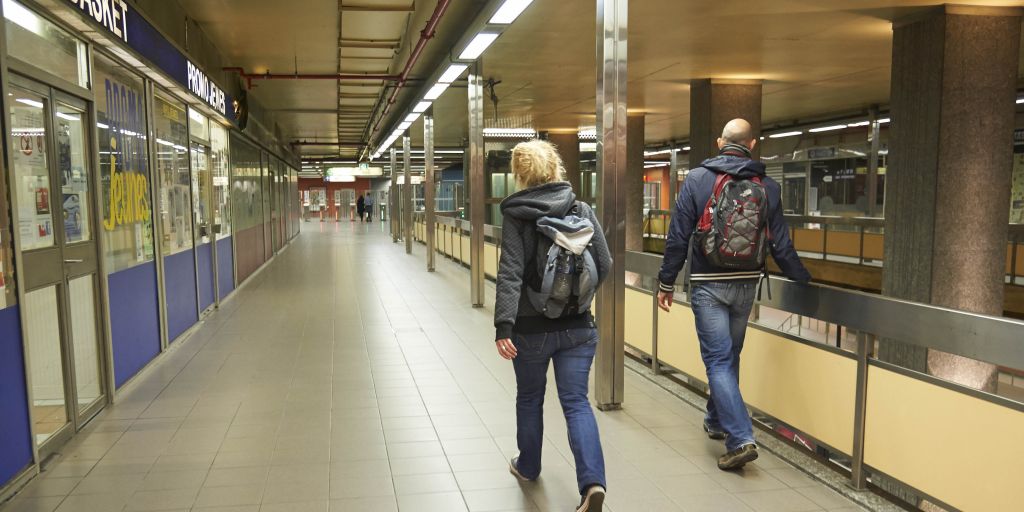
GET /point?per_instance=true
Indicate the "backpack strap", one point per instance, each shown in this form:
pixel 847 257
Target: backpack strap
pixel 704 224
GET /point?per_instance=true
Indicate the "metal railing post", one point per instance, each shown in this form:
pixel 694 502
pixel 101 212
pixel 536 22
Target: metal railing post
pixel 655 365
pixel 858 478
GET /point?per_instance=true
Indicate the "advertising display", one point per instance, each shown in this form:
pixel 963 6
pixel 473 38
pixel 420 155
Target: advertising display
pixel 31 181
pixel 124 198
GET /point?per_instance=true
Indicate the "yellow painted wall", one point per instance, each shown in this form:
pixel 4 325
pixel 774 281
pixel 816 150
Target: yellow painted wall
pixel 958 448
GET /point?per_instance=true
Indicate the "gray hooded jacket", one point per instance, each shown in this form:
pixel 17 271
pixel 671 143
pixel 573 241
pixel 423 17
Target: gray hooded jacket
pixel 517 267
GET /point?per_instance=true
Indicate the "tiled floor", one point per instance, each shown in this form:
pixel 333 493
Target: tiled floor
pixel 347 378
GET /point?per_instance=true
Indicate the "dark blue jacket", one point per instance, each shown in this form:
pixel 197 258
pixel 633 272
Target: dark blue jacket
pixel 697 189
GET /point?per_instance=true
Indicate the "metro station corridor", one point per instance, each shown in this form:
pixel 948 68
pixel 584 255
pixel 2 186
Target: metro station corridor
pixel 344 377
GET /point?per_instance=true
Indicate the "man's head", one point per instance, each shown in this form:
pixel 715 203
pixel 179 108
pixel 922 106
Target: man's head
pixel 738 131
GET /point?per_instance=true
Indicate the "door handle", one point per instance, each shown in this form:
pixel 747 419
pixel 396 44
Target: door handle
pixel 74 261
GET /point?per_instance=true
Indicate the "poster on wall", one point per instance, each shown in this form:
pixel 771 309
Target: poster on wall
pixel 34 222
pixel 72 217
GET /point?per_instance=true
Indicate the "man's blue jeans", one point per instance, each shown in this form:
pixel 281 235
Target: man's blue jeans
pixel 573 353
pixel 721 310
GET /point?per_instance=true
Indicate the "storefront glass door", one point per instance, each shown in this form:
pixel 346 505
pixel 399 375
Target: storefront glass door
pixel 53 198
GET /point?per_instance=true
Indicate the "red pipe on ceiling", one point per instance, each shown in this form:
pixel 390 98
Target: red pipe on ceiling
pixel 425 35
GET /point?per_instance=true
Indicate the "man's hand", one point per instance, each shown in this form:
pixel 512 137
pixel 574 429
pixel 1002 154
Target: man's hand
pixel 506 349
pixel 665 300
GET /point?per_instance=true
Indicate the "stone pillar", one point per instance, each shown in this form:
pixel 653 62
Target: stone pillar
pixel 635 182
pixel 954 74
pixel 568 145
pixel 713 103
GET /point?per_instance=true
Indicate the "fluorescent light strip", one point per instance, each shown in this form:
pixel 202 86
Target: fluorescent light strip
pixel 686 148
pixel 784 134
pixel 102 126
pixel 22 16
pixel 478 45
pixel 31 103
pixel 510 132
pixel 421 107
pixel 858 124
pixel 435 92
pixel 453 73
pixel 509 11
pixel 411 118
pixel 884 120
pixel 1020 100
pixel 68 117
pixel 828 128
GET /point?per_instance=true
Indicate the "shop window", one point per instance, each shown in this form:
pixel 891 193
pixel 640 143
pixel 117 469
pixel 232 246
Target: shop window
pixel 652 196
pixel 219 161
pixel 172 171
pixel 1017 187
pixel 125 199
pixel 838 187
pixel 37 41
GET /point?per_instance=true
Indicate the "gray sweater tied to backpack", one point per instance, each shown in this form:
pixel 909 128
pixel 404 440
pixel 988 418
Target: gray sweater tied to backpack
pixel 517 268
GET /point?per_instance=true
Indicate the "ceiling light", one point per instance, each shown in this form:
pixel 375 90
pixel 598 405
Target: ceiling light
pixel 22 16
pixel 102 126
pixel 31 103
pixel 68 117
pixel 421 107
pixel 1020 100
pixel 659 152
pixel 884 120
pixel 453 73
pixel 411 118
pixel 404 126
pixel 861 123
pixel 686 148
pixel 436 91
pixel 477 45
pixel 828 128
pixel 510 132
pixel 784 134
pixel 509 11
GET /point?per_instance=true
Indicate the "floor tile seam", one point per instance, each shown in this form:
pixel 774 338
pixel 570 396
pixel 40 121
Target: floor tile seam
pixel 376 397
pixel 462 491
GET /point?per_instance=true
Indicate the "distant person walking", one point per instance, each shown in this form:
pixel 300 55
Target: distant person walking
pixel 360 207
pixel 727 217
pixel 553 256
pixel 368 207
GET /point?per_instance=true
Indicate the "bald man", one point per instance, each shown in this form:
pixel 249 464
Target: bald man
pixel 722 297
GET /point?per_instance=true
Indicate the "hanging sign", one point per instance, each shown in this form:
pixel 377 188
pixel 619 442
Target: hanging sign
pixel 201 85
pixel 127 24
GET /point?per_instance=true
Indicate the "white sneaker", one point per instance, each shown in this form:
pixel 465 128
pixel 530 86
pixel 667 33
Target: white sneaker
pixel 592 500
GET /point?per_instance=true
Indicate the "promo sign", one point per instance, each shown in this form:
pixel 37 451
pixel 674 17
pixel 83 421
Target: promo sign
pixel 201 85
pixel 111 14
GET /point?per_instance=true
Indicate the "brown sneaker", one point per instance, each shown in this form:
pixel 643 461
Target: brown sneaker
pixel 592 500
pixel 515 471
pixel 738 458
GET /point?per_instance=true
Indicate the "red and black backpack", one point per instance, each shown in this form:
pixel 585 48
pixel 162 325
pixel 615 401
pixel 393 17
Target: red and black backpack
pixel 733 230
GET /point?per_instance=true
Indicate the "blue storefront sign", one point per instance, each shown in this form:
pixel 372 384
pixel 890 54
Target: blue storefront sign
pixel 120 19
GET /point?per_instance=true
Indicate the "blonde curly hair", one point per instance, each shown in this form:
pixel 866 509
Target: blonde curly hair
pixel 536 162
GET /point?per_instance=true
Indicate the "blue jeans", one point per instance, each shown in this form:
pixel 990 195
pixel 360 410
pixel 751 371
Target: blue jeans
pixel 573 353
pixel 721 310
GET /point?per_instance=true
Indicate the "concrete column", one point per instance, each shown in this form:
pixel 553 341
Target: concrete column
pixel 715 102
pixel 954 72
pixel 568 145
pixel 635 182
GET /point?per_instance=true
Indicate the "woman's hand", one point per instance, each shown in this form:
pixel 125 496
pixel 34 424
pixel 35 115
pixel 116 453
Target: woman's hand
pixel 506 349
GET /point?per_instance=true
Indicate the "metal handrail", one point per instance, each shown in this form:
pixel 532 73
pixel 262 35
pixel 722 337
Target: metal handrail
pixel 995 340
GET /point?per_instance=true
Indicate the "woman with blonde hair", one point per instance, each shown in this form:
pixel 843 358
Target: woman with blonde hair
pixel 530 333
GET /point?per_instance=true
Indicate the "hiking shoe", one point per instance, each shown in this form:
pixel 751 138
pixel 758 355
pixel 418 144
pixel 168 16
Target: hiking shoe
pixel 515 471
pixel 715 433
pixel 738 458
pixel 592 500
